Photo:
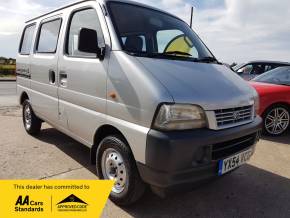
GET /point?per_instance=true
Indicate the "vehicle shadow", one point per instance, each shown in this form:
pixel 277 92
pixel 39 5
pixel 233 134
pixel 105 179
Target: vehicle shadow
pixel 69 146
pixel 247 192
pixel 285 139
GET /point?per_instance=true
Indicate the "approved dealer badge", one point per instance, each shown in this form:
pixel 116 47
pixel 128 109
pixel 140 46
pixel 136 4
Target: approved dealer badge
pixel 72 204
pixel 53 199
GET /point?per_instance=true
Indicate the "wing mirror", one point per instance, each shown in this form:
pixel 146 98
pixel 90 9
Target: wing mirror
pixel 88 42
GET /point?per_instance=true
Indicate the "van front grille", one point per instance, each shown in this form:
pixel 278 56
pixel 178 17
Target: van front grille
pixel 233 116
pixel 226 149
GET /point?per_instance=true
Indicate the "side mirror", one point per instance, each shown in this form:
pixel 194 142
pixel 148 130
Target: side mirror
pixel 88 42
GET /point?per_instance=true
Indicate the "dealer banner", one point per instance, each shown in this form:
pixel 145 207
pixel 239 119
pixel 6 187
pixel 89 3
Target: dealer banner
pixel 53 199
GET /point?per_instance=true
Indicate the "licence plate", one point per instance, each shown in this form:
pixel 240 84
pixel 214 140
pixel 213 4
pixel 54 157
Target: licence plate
pixel 234 162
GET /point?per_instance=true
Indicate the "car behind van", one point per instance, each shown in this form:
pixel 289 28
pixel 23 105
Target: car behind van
pixel 141 90
pixel 253 69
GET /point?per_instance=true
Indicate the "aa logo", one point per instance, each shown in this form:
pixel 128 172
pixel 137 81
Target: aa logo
pixel 72 204
pixel 25 204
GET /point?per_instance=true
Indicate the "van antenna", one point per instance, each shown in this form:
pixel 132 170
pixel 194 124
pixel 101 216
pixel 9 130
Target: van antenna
pixel 191 16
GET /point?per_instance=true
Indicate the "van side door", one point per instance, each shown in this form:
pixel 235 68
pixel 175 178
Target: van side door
pixel 44 70
pixel 82 86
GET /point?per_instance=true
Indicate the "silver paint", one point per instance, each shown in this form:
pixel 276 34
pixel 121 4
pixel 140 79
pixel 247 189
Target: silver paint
pixel 81 105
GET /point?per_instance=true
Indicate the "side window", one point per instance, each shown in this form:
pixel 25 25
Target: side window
pixel 175 40
pixel 274 66
pixel 27 38
pixel 268 67
pixel 246 69
pixel 258 69
pixel 48 36
pixel 87 18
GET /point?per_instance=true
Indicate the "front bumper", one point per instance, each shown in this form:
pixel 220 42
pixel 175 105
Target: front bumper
pixel 174 159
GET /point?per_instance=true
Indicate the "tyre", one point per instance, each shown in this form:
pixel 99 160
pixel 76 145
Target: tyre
pixel 31 122
pixel 115 162
pixel 276 120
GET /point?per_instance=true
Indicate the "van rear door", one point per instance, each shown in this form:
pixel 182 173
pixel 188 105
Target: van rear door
pixel 24 56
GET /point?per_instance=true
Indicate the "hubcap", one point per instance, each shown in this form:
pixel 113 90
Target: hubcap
pixel 27 117
pixel 113 168
pixel 277 121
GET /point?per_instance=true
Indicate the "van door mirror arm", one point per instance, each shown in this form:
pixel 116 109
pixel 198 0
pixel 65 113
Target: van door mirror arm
pixel 101 52
pixel 88 42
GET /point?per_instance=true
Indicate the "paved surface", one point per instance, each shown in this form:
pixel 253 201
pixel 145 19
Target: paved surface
pixel 258 189
pixel 7 88
pixel 8 94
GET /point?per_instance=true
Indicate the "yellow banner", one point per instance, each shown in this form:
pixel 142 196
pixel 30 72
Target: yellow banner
pixel 53 199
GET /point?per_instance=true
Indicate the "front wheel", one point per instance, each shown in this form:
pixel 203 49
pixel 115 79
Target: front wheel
pixel 276 120
pixel 115 162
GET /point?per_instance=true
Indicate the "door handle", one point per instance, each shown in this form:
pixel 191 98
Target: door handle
pixel 51 77
pixel 62 79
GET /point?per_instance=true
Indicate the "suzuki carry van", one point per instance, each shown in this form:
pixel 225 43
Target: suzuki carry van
pixel 141 90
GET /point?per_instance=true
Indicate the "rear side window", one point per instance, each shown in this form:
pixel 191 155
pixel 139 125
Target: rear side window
pixel 26 42
pixel 48 36
pixel 87 18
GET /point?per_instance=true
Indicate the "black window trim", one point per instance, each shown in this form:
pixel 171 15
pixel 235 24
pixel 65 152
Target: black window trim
pixel 47 20
pixel 65 47
pixel 22 38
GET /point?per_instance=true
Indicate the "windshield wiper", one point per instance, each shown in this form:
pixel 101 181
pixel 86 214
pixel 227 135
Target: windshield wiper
pixel 177 53
pixel 209 60
pixel 173 55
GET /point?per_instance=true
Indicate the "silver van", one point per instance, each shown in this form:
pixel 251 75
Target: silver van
pixel 141 90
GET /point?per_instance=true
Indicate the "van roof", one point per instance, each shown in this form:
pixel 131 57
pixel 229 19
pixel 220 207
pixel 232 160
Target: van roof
pixel 58 9
pixel 82 1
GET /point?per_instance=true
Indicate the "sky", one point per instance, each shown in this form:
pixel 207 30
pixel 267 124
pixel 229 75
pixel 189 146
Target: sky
pixel 234 30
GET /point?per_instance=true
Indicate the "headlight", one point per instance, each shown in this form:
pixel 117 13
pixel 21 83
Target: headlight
pixel 180 117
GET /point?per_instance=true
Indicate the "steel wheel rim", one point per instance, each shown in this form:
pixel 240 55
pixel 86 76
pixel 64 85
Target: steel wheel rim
pixel 277 121
pixel 113 168
pixel 27 117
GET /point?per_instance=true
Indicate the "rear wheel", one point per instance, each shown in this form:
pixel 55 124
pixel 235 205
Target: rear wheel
pixel 115 162
pixel 31 122
pixel 276 120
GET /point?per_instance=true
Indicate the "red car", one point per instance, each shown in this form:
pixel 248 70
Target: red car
pixel 274 90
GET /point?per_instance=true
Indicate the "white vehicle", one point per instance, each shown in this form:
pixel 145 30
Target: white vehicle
pixel 141 90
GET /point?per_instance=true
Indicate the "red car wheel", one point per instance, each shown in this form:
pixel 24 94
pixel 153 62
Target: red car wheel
pixel 276 120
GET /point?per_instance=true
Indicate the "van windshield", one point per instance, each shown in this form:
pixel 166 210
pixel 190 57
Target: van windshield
pixel 150 33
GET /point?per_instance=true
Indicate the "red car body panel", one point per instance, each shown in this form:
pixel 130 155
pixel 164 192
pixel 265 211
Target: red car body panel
pixel 271 94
